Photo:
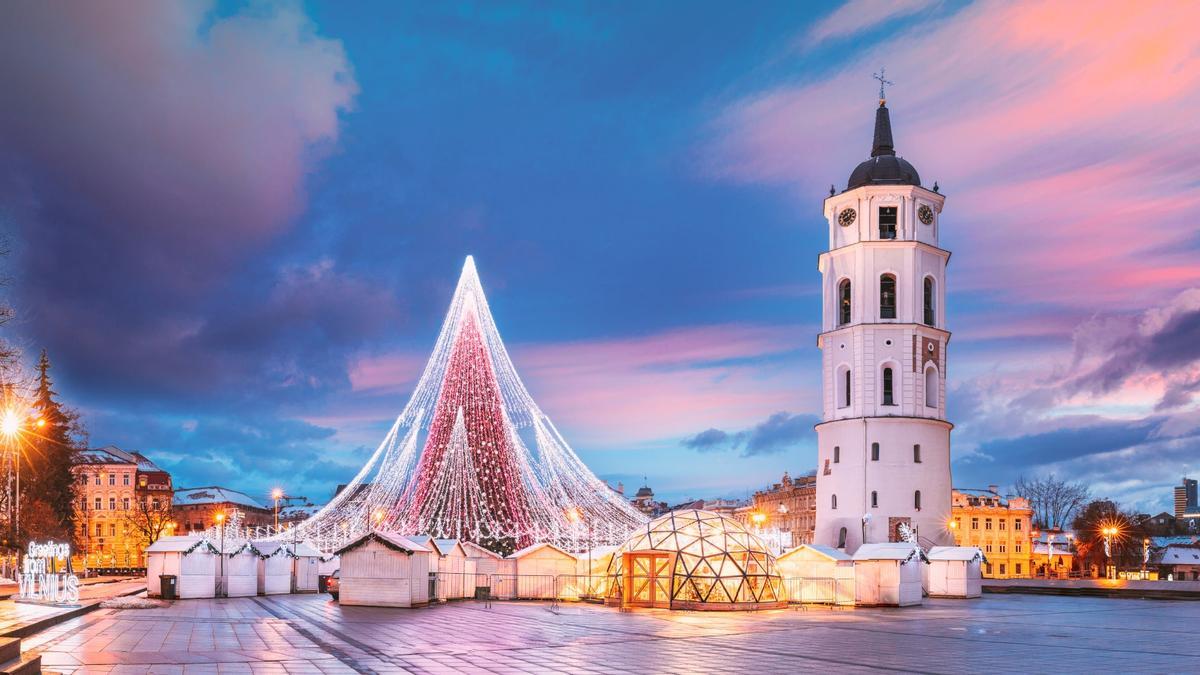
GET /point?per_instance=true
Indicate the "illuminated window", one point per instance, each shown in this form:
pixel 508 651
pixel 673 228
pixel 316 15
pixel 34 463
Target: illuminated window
pixel 887 222
pixel 974 523
pixel 887 296
pixel 1002 523
pixel 1017 524
pixel 987 524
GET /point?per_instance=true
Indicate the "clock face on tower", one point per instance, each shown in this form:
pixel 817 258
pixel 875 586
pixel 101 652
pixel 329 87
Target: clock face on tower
pixel 846 217
pixel 925 214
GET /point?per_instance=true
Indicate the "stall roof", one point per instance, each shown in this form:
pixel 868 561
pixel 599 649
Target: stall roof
pixel 537 547
pixel 901 551
pixel 827 551
pixel 177 544
pixel 470 547
pixel 389 539
pixel 1180 555
pixel 962 553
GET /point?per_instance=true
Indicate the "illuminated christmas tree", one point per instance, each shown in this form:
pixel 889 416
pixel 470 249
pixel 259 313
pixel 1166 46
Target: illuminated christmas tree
pixel 473 457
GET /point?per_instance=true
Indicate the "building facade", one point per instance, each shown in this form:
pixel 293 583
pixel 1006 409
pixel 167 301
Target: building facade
pixel 122 502
pixel 1185 498
pixel 1002 527
pixel 790 506
pixel 645 502
pixel 883 442
pixel 196 509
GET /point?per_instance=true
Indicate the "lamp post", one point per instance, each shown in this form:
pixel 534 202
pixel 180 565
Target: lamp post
pixel 1109 533
pixel 276 494
pixel 1145 555
pixel 10 426
pixel 221 553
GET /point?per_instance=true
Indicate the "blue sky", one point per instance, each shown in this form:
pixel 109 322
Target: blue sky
pixel 236 228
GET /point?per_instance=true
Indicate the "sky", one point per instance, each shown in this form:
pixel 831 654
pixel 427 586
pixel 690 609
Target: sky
pixel 235 227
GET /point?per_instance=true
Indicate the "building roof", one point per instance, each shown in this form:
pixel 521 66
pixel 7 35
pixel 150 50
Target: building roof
pixel 447 545
pixel 898 550
pixel 214 495
pixel 111 454
pixel 884 167
pixel 962 553
pixel 1057 548
pixel 389 539
pixel 537 547
pixel 1180 555
pixel 826 551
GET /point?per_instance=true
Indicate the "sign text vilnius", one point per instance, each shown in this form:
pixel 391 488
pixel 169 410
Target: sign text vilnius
pixel 45 575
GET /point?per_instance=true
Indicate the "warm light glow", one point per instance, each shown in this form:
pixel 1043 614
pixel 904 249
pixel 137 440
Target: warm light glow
pixel 758 518
pixel 41 422
pixel 220 517
pixel 10 423
pixel 953 524
pixel 573 514
pixel 378 516
pixel 276 493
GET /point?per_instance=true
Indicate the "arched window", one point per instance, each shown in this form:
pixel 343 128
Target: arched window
pixel 874 452
pixel 844 388
pixel 917 500
pixel 874 499
pixel 917 453
pixel 833 501
pixel 844 302
pixel 887 296
pixel 931 387
pixel 842 538
pixel 929 314
pixel 837 454
pixel 887 387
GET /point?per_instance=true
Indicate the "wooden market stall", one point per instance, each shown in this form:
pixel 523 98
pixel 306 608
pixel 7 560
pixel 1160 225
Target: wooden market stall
pixel 192 560
pixel 888 574
pixel 954 572
pixel 306 565
pixel 274 568
pixel 384 569
pixel 493 572
pixel 817 574
pixel 237 570
pixel 537 570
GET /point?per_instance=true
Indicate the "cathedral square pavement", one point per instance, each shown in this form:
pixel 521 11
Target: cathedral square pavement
pixel 312 634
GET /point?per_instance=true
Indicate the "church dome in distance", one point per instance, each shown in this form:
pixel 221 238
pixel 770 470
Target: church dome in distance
pixel 884 167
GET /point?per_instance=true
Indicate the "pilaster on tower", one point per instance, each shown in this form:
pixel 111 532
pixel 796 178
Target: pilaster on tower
pixel 884 442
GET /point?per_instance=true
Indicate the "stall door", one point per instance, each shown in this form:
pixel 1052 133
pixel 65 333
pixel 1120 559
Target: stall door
pixel 647 580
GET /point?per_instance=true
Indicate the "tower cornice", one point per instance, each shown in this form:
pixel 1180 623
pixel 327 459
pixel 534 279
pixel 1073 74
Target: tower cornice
pixel 824 256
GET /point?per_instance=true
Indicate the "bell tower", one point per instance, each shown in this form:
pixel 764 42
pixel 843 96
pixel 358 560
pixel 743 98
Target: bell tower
pixel 884 441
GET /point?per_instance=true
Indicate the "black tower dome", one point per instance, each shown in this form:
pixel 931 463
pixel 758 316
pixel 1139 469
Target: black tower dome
pixel 884 167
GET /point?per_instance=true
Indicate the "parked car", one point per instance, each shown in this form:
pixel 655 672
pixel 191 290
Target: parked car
pixel 331 584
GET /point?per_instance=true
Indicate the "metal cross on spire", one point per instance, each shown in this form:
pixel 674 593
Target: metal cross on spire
pixel 882 82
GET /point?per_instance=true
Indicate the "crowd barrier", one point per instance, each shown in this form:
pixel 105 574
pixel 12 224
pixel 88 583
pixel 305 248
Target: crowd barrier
pixel 819 591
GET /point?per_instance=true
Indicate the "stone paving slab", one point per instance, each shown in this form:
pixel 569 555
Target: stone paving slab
pixel 312 634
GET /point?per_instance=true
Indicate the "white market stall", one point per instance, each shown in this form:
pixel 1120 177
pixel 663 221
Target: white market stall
pixel 237 570
pixel 453 580
pixel 888 574
pixel 817 574
pixel 193 561
pixel 306 565
pixel 383 569
pixel 274 568
pixel 954 572
pixel 538 568
pixel 492 570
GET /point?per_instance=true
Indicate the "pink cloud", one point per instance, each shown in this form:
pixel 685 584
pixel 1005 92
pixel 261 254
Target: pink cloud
pixel 857 16
pixel 1064 139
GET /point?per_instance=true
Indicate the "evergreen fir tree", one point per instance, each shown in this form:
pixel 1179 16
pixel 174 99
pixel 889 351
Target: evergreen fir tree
pixel 49 455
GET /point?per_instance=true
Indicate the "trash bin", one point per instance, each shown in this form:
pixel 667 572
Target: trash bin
pixel 322 583
pixel 167 586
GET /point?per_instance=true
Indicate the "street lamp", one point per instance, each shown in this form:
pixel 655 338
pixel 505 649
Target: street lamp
pixel 221 554
pixel 276 494
pixel 758 519
pixel 1109 532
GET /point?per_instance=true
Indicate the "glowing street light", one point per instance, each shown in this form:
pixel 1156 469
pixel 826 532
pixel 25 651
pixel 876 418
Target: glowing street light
pixel 10 423
pixel 276 494
pixel 378 518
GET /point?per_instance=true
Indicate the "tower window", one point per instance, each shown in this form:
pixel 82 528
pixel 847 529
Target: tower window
pixel 887 387
pixel 929 320
pixel 874 499
pixel 917 500
pixel 874 452
pixel 842 538
pixel 931 387
pixel 837 454
pixel 844 302
pixel 844 386
pixel 887 222
pixel 917 453
pixel 887 296
pixel 833 501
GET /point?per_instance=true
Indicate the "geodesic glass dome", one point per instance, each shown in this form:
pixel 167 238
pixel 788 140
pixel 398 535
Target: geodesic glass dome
pixel 695 559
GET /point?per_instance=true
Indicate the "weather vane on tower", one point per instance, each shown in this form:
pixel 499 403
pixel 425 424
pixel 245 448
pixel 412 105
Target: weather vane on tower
pixel 883 82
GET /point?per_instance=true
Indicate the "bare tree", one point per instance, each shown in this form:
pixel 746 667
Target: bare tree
pixel 148 519
pixel 1054 501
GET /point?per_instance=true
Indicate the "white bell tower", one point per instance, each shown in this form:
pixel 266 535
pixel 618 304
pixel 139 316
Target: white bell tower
pixel 883 442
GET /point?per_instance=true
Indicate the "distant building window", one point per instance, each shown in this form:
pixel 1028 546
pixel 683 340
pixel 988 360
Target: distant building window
pixel 112 530
pixel 917 500
pixel 837 454
pixel 887 387
pixel 874 452
pixel 1017 548
pixel 99 530
pixel 1003 548
pixel 874 499
pixel 99 504
pixel 112 479
pixel 125 479
pixel 887 222
pixel 917 453
pixel 112 503
pixel 1002 524
pixel 929 319
pixel 887 296
pixel 83 479
pixel 1017 524
pixel 987 524
pixel 98 477
pixel 125 503
pixel 974 523
pixel 1002 565
pixel 844 302
pixel 1018 565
